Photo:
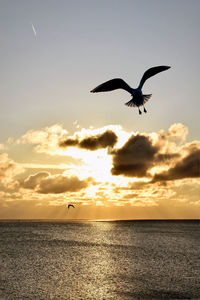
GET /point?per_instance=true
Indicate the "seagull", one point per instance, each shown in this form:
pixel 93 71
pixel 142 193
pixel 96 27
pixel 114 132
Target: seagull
pixel 70 205
pixel 138 99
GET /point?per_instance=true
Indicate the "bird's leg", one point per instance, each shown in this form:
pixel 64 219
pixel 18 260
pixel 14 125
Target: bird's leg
pixel 144 109
pixel 139 111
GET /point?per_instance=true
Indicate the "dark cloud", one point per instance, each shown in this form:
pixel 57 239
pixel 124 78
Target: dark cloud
pixel 69 142
pixel 135 158
pixel 44 183
pixel 61 184
pixel 106 139
pixel 166 157
pixel 188 167
pixel 191 147
pixel 137 185
pixel 131 196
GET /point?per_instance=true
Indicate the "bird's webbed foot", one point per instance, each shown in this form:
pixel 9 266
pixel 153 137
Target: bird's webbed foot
pixel 139 111
pixel 145 110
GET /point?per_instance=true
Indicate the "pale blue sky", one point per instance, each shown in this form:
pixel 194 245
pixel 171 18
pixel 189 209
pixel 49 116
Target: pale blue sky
pixel 79 44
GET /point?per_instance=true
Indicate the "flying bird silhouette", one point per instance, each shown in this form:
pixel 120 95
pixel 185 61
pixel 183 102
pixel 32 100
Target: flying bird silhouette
pixel 70 205
pixel 138 99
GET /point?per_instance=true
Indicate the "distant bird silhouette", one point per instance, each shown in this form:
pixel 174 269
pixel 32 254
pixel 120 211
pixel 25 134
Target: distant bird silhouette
pixel 70 205
pixel 138 98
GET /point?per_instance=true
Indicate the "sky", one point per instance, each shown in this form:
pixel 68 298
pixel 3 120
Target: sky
pixel 61 144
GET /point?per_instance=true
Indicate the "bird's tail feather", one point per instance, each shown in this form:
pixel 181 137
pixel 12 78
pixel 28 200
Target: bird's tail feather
pixel 130 103
pixel 146 98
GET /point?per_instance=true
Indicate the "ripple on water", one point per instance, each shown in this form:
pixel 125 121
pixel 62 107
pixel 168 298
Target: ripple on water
pixel 99 260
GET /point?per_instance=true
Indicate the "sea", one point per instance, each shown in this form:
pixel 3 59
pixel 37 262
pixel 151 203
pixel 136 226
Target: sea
pixel 100 259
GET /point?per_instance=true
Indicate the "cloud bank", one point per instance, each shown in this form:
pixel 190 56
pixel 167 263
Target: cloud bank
pixel 158 156
pixel 103 167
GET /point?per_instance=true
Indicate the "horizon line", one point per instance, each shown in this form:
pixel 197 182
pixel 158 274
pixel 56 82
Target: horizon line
pixel 97 220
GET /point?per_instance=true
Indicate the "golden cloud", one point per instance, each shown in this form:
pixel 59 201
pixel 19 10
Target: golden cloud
pixel 44 183
pixel 46 139
pixel 33 180
pixel 156 157
pixel 8 170
pixel 178 131
pixel 2 147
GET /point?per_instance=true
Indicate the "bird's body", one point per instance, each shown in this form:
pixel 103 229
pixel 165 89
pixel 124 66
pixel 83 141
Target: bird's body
pixel 138 98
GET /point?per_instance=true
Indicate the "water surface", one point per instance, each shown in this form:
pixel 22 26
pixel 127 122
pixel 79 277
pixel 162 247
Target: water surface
pixel 100 260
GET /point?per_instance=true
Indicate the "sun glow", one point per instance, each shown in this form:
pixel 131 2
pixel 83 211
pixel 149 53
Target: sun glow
pixel 98 169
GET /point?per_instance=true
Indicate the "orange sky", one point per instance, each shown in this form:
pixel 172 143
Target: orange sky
pixel 105 172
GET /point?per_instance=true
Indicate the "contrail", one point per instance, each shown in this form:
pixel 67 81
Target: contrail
pixel 34 31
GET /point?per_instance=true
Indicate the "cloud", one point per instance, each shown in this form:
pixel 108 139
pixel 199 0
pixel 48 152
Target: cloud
pixel 153 169
pixel 8 170
pixel 151 156
pixel 33 180
pixel 188 167
pixel 164 158
pixel 178 131
pixel 61 184
pixel 46 139
pixel 131 196
pixel 158 156
pixel 137 185
pixel 2 147
pixel 135 158
pixel 94 142
pixel 44 183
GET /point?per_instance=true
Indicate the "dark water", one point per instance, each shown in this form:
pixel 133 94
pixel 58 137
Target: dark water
pixel 100 260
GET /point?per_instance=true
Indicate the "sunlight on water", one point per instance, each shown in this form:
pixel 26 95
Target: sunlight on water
pixel 99 260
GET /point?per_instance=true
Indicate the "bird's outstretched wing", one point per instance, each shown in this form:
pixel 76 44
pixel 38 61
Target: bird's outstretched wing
pixel 151 72
pixel 113 84
pixel 70 205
